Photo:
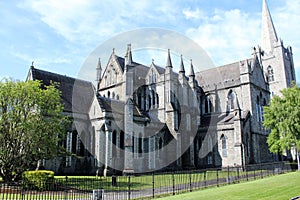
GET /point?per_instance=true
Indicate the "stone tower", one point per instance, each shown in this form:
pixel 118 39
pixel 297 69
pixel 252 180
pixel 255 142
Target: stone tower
pixel 128 112
pixel 277 60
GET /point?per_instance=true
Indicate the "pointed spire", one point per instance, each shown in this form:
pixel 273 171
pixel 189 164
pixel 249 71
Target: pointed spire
pixel 169 62
pixel 99 64
pixel 268 36
pixel 192 73
pixel 128 55
pixel 99 70
pixel 181 65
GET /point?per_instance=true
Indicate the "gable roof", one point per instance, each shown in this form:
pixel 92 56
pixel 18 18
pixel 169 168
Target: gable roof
pixel 213 119
pixel 223 76
pixel 116 106
pixel 159 69
pixel 76 94
pixel 121 62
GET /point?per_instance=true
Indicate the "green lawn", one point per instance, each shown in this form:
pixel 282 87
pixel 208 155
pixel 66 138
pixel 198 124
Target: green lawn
pixel 146 181
pixel 283 186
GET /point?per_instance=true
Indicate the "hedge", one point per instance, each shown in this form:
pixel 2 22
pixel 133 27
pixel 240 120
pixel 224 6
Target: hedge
pixel 38 179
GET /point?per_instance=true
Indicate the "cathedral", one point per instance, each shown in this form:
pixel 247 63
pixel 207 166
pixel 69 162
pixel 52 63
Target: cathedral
pixel 142 118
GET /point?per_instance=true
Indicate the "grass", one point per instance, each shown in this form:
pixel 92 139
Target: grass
pixel 248 190
pixel 146 181
pixel 141 182
pixel 283 186
pixel 60 196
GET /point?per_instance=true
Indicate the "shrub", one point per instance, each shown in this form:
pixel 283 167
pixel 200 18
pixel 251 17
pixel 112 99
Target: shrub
pixel 38 180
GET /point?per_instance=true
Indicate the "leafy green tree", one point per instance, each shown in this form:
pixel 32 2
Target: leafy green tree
pixel 282 117
pixel 31 126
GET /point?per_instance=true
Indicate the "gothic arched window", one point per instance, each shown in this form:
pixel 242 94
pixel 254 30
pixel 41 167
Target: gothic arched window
pixel 231 99
pixel 257 109
pixel 139 100
pixel 149 101
pixel 224 146
pixel 160 143
pixel 140 144
pixel 209 150
pixel 208 105
pixel 153 98
pixel 122 136
pixel 270 74
pixel 114 141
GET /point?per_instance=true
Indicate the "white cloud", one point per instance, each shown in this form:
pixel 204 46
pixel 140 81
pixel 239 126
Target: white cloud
pixel 92 21
pixel 41 61
pixel 286 20
pixel 193 14
pixel 228 36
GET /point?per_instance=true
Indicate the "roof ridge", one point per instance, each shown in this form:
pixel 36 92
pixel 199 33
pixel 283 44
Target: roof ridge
pixel 60 75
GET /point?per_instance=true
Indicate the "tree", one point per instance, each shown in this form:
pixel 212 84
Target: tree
pixel 282 117
pixel 31 126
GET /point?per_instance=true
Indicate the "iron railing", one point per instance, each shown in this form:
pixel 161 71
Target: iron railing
pixel 140 186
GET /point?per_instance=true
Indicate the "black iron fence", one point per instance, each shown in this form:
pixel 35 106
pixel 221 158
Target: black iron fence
pixel 140 186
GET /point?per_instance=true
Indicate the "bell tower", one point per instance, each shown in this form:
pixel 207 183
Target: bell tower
pixel 277 60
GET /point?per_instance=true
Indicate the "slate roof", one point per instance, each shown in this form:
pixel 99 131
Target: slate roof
pixel 160 70
pixel 76 94
pixel 115 106
pixel 141 70
pixel 223 76
pixel 223 118
pixel 121 61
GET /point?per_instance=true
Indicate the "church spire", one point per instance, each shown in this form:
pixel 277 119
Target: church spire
pixel 169 62
pixel 181 66
pixel 99 72
pixel 192 73
pixel 128 56
pixel 268 36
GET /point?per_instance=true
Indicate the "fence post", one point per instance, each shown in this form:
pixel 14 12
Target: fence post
pixel 254 174
pixel 128 186
pixel 190 181
pixel 173 181
pixel 22 189
pixel 228 178
pixel 153 190
pixel 66 191
pixel 205 179
pixel 217 178
pixel 238 174
pixel 246 173
pixel 261 175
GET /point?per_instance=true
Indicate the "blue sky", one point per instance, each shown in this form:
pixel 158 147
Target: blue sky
pixel 59 35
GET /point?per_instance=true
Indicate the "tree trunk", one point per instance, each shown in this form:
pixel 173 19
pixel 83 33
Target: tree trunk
pixel 6 175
